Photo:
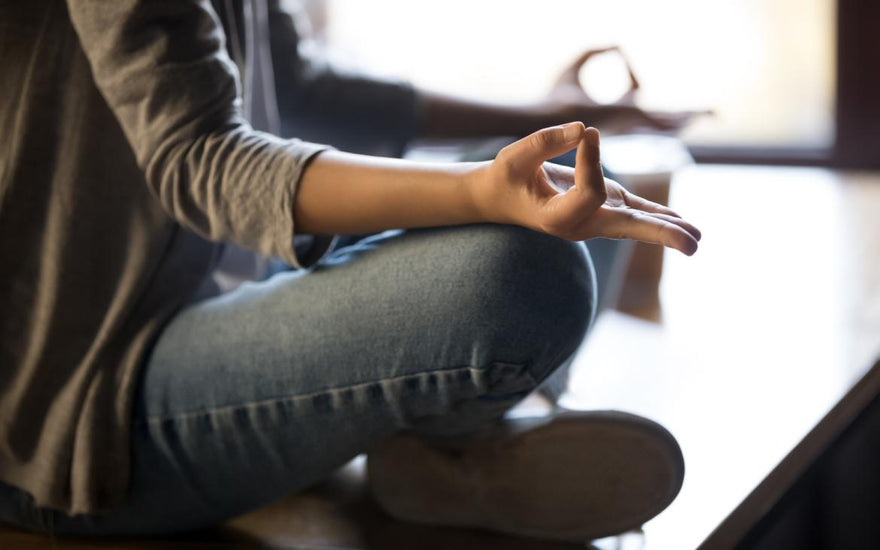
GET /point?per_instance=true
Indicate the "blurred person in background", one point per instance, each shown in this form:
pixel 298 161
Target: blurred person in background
pixel 136 397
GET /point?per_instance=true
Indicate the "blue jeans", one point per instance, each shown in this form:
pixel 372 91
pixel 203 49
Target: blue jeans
pixel 266 390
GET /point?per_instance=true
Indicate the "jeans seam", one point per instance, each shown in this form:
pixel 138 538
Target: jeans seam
pixel 158 419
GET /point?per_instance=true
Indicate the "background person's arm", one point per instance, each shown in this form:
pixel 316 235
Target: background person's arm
pixel 449 116
pixel 361 113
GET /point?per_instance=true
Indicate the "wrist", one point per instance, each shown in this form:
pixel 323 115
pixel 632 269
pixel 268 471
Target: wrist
pixel 478 189
pixel 491 198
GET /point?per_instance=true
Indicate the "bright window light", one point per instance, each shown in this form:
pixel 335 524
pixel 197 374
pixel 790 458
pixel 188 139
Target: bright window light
pixel 766 67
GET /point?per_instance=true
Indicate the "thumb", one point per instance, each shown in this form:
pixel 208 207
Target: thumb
pixel 531 151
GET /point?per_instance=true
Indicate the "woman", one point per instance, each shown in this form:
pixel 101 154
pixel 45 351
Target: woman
pixel 129 403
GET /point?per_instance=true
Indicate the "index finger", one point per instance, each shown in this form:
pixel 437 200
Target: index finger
pixel 588 175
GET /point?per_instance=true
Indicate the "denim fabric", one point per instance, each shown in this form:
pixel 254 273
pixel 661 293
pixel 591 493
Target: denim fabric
pixel 254 394
pixel 610 260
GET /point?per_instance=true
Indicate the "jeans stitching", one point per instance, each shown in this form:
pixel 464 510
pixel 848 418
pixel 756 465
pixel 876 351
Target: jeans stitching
pixel 288 398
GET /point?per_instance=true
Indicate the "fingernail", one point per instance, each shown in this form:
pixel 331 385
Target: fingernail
pixel 572 131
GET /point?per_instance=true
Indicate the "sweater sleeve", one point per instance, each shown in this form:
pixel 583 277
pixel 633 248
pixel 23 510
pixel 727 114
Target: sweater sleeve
pixel 361 114
pixel 162 67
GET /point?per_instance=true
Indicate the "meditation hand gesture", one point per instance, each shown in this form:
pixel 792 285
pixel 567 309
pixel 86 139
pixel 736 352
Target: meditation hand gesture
pixel 568 100
pixel 579 204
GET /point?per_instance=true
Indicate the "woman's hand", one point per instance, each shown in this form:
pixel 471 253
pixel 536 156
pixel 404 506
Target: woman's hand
pixel 579 204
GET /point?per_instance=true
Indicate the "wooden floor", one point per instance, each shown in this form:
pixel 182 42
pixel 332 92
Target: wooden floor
pixel 778 311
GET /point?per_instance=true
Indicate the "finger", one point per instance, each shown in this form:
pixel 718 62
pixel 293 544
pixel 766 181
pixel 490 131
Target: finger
pixel 634 201
pixel 531 151
pixel 684 224
pixel 588 176
pixel 571 73
pixel 584 57
pixel 561 178
pixel 648 228
pixel 564 213
pixel 633 81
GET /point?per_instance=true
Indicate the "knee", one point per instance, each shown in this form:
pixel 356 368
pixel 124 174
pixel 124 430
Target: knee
pixel 532 296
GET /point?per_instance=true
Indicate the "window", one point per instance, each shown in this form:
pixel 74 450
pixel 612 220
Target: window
pixel 768 68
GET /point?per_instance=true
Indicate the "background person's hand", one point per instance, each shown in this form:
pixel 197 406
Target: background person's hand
pixel 568 100
pixel 568 85
pixel 518 187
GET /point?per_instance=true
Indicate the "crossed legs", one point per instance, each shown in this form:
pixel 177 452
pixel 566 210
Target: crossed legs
pixel 266 390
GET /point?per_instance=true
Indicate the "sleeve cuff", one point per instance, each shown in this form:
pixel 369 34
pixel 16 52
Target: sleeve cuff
pixel 286 236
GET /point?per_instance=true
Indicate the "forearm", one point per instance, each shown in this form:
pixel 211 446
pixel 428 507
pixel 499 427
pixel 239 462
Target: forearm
pixel 453 117
pixel 345 193
pixel 342 193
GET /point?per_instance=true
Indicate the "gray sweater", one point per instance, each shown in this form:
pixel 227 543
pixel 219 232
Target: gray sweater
pixel 127 156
